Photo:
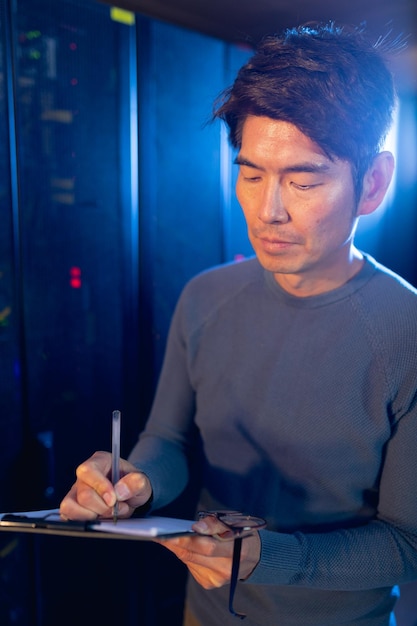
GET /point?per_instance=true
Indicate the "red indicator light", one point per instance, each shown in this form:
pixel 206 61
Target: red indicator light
pixel 75 277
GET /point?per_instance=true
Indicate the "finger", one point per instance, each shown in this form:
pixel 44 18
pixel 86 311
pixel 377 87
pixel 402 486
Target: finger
pixel 95 471
pixel 92 494
pixel 210 525
pixel 208 560
pixel 134 488
pixel 70 507
pixel 198 548
pixel 207 577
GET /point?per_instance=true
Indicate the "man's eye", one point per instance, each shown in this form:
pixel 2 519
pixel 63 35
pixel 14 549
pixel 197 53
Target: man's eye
pixel 304 187
pixel 250 176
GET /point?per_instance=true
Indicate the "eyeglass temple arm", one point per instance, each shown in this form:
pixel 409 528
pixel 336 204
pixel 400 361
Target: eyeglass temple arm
pixel 237 546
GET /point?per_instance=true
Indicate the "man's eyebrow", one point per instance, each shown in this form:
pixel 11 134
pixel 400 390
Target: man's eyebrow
pixel 307 166
pixel 240 160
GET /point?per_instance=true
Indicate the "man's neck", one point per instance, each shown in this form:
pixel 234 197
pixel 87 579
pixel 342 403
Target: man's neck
pixel 313 283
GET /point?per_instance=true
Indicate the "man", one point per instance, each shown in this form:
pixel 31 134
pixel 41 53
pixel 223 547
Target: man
pixel 296 370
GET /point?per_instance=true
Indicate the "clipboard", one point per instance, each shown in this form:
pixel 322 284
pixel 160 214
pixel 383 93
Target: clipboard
pixel 49 522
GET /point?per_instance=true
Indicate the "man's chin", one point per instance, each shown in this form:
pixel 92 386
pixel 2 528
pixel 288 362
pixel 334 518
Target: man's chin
pixel 278 265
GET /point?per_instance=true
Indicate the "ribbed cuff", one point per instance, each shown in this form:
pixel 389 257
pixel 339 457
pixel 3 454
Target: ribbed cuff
pixel 280 559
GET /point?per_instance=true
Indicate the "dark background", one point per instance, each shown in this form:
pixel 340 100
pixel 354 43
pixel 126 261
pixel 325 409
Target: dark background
pixel 114 192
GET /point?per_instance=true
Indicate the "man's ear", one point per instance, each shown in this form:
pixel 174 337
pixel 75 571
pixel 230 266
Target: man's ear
pixel 376 182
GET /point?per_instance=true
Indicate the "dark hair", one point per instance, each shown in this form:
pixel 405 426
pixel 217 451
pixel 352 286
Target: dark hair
pixel 329 81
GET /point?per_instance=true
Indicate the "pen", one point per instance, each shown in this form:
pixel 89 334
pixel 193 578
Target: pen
pixel 115 456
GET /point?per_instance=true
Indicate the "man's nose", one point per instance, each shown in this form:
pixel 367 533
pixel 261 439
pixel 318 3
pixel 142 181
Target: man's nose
pixel 272 207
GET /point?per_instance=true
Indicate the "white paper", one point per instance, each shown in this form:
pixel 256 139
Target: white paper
pixel 50 514
pixel 145 526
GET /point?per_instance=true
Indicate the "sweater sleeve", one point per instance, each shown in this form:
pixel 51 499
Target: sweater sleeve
pixel 380 553
pixel 162 449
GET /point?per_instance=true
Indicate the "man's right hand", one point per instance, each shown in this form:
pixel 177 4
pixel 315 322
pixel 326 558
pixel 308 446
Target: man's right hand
pixel 93 495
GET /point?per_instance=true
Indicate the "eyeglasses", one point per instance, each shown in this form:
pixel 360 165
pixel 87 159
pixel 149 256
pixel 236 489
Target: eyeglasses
pixel 237 526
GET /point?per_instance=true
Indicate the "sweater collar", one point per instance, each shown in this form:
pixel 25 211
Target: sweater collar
pixel 340 293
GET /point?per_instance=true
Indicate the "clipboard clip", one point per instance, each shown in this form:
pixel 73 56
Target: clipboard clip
pixel 23 521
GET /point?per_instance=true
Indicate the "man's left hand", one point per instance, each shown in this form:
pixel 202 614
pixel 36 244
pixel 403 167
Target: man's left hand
pixel 209 559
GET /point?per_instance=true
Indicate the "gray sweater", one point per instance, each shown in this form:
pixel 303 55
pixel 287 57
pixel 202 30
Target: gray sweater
pixel 307 413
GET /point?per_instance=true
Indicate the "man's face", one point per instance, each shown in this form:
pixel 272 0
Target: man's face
pixel 299 207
